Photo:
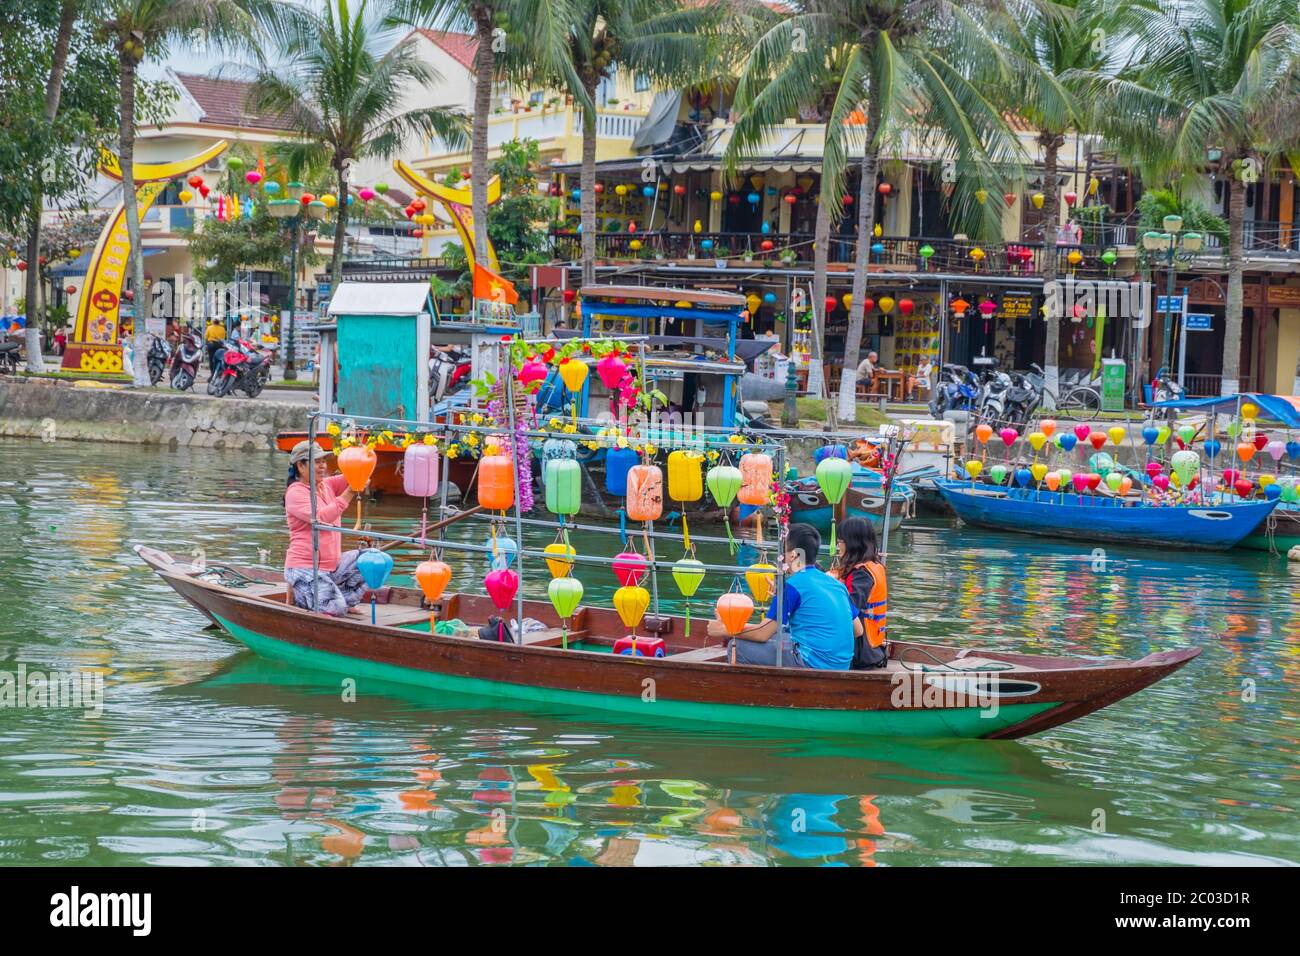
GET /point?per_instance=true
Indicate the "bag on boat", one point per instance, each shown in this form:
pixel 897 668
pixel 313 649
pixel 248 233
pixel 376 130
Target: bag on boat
pixel 497 630
pixel 870 600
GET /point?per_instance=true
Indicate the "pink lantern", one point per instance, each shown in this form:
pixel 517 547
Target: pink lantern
pixel 611 370
pixel 502 585
pixel 1154 468
pixel 1008 436
pixel 1230 476
pixel 988 307
pixel 1080 481
pixel 253 177
pixel 1275 449
pixel 366 193
pixel 629 567
pixel 532 371
pixel 1161 482
pixel 420 470
pixel 1082 432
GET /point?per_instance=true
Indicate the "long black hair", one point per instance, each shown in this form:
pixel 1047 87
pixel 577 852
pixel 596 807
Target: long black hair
pixel 859 537
pixel 293 476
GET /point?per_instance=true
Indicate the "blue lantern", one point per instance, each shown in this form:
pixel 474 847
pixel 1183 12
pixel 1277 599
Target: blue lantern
pixel 618 461
pixel 753 198
pixel 767 227
pixel 505 555
pixel 877 248
pixel 1293 450
pixel 1150 434
pixel 830 451
pixel 1212 447
pixel 1067 441
pixel 1023 477
pixel 769 297
pixel 706 244
pixel 648 192
pixel 1273 492
pixel 576 194
pixel 374 566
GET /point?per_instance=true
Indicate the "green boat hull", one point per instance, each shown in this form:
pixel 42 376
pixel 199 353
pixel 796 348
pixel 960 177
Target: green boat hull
pixel 968 722
pixel 1282 543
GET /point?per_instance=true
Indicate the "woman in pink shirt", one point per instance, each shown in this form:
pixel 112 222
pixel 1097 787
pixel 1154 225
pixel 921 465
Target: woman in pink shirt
pixel 339 586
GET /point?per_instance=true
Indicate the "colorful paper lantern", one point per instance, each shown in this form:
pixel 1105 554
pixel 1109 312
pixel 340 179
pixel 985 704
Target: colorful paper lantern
pixel 562 478
pixel 562 564
pixel 565 595
pixel 502 585
pixel 724 483
pixel 631 603
pixel 734 610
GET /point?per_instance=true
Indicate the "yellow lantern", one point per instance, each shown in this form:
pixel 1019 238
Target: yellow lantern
pixel 559 566
pixel 698 227
pixel 185 195
pixel 877 231
pixel 981 196
pixel 1074 257
pixel 847 299
pixel 1093 183
pixel 761 581
pixel 426 219
pixel 756 181
pixel 886 304
pixel 620 189
pixel 574 374
pixel 1038 199
pixel 715 196
pixel 681 305
pixel 753 302
pixel 329 201
pixel 1248 411
pixel 977 254
pixel 635 245
pixel 631 602
pixel 685 476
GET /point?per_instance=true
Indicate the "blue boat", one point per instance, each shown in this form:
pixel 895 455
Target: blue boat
pixel 1101 518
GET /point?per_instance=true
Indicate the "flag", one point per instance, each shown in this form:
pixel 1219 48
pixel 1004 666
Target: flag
pixel 488 285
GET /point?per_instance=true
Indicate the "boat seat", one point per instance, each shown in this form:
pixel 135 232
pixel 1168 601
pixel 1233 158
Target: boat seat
pixel 551 637
pixel 394 615
pixel 701 655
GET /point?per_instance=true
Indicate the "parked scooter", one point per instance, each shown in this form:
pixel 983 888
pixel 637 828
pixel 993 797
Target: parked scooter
pixel 447 369
pixel 185 360
pixel 956 388
pixel 160 353
pixel 239 364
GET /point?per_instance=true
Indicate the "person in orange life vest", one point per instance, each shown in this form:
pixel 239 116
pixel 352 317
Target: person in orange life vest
pixel 858 566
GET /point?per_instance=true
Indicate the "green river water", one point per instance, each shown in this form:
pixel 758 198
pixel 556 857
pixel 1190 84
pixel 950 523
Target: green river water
pixel 205 755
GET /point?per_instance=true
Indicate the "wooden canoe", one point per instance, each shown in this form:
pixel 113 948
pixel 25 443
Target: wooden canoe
pixel 926 690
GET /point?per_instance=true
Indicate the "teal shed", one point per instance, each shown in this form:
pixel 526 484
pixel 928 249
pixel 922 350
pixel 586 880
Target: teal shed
pixel 382 336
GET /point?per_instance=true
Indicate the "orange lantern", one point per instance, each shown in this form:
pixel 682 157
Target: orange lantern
pixel 357 464
pixel 496 482
pixel 432 576
pixel 734 611
pixel 645 492
pixel 755 478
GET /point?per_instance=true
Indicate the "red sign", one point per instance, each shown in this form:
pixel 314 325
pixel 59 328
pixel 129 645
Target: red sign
pixel 104 300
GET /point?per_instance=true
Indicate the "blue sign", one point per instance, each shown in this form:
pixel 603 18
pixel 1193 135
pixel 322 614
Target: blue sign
pixel 1199 322
pixel 1169 303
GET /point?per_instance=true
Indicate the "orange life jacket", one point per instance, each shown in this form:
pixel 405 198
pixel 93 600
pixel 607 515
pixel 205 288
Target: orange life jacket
pixel 875 613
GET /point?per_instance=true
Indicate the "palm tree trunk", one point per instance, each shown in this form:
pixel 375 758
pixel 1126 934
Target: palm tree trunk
pixel 587 183
pixel 1052 143
pixel 126 151
pixel 866 223
pixel 340 232
pixel 821 256
pixel 1233 307
pixel 53 93
pixel 484 67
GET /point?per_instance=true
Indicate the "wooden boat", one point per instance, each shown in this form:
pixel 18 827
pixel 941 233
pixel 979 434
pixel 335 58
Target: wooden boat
pixel 1101 518
pixel 861 500
pixel 926 690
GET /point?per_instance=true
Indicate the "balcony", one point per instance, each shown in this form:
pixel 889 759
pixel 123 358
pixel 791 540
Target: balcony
pixel 549 127
pixel 889 253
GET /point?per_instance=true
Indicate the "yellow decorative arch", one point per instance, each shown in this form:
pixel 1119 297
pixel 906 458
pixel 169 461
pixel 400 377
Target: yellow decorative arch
pixel 458 204
pixel 95 345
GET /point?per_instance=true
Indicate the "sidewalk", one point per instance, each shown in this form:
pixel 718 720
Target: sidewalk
pixel 300 392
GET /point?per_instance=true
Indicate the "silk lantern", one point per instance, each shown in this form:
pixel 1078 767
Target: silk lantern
pixel 563 480
pixel 561 565
pixel 724 482
pixel 685 476
pixel 618 462
pixel 734 610
pixel 631 601
pixel 356 464
pixel 645 492
pixel 688 573
pixel 432 577
pixel 565 595
pixel 756 478
pixel 496 482
pixel 502 585
pixel 761 581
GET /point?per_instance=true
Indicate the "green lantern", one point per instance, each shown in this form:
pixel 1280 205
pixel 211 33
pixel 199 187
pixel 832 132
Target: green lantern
pixel 689 574
pixel 997 473
pixel 563 480
pixel 1113 480
pixel 724 482
pixel 565 595
pixel 1185 463
pixel 834 475
pixel 1109 257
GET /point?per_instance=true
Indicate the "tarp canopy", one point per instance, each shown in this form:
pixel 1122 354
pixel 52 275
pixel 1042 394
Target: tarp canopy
pixel 1282 408
pixel 380 298
pixel 657 127
pixel 79 265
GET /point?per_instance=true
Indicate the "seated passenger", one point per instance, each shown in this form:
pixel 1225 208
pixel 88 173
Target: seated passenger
pixel 339 585
pixel 815 609
pixel 858 566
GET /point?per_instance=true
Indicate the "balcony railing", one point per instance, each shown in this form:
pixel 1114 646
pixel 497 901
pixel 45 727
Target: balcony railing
pixel 890 253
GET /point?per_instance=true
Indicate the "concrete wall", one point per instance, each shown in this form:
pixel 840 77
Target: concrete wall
pixel 53 410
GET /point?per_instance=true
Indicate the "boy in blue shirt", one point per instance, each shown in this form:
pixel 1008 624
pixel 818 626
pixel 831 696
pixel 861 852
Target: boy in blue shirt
pixel 817 612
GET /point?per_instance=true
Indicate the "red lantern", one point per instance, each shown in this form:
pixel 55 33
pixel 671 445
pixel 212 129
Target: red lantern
pixel 570 295
pixel 791 199
pixel 767 245
pixel 868 304
pixel 410 213
pixel 884 189
pixel 830 303
pixel 1260 441
pixel 204 190
pixel 679 190
pixel 417 233
pixel 599 187
pixel 906 306
pixel 847 199
pixel 307 198
pixel 1009 198
pixel 734 199
pixel 1071 199
pixel 71 290
pixel 417 205
pixel 631 226
pixel 196 181
pixel 22 266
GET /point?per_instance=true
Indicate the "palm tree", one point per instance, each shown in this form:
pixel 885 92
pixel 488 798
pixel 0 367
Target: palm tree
pixel 667 41
pixel 489 21
pixel 344 99
pixel 142 27
pixel 895 64
pixel 1053 47
pixel 1219 93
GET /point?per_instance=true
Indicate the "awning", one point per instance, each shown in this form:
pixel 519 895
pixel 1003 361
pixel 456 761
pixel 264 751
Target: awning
pixel 80 265
pixel 1282 408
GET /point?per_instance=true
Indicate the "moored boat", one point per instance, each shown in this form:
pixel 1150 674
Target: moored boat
pixel 1090 517
pixel 1279 532
pixel 925 691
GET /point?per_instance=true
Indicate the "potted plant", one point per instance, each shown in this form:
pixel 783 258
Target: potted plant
pixel 788 257
pixel 720 253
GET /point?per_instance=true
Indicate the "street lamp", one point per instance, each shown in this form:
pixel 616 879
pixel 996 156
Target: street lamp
pixel 1171 243
pixel 290 210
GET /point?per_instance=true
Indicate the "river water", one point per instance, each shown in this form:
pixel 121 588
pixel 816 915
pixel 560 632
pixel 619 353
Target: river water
pixel 204 754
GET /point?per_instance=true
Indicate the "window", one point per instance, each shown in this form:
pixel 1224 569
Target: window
pixel 535 98
pixel 641 83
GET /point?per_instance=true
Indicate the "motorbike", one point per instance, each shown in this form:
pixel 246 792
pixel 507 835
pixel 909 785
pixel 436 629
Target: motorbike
pixel 9 357
pixel 185 361
pixel 1023 398
pixel 956 389
pixel 239 364
pixel 447 369
pixel 160 353
pixel 1165 389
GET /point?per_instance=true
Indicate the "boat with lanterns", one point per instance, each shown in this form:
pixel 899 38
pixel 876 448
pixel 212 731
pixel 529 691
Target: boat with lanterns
pixel 1179 499
pixel 626 656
